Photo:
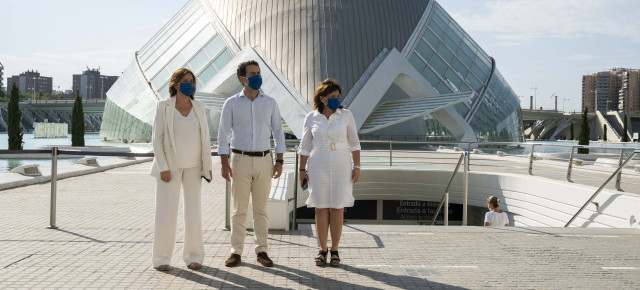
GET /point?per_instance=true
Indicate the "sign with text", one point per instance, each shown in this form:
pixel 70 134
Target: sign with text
pixel 417 210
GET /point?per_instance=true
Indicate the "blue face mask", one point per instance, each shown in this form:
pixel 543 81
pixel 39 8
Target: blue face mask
pixel 187 89
pixel 255 82
pixel 333 104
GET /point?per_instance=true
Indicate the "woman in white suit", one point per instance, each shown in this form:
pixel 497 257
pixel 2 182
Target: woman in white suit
pixel 181 147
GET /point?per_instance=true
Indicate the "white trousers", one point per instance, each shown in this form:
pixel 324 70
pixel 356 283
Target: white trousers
pixel 251 179
pixel 164 234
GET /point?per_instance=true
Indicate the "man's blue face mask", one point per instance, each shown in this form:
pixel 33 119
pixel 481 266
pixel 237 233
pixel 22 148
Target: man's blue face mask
pixel 333 103
pixel 187 89
pixel 255 82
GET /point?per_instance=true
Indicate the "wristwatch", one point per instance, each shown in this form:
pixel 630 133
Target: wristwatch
pixel 356 166
pixel 280 161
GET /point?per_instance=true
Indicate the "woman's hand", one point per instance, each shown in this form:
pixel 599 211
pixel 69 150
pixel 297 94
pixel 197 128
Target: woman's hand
pixel 165 176
pixel 302 175
pixel 355 175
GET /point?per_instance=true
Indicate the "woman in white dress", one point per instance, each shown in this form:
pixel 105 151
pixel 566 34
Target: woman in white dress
pixel 182 154
pixel 328 137
pixel 495 217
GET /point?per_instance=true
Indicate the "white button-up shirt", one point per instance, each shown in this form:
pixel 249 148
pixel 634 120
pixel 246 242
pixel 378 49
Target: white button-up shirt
pixel 248 125
pixel 339 131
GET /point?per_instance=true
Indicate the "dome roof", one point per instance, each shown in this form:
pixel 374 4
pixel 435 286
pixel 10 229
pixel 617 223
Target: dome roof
pixel 310 40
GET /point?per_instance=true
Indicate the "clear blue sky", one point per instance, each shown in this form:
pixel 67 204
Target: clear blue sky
pixel 545 43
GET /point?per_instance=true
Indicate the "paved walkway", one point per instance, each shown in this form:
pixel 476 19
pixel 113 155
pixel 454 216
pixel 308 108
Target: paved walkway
pixel 106 226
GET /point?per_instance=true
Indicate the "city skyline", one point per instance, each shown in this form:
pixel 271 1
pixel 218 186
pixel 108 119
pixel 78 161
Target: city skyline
pixel 544 44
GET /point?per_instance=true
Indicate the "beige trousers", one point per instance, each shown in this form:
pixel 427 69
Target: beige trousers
pixel 251 179
pixel 164 234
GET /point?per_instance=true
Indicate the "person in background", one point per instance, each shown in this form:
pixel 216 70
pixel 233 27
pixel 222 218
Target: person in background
pixel 329 142
pixel 495 217
pixel 182 154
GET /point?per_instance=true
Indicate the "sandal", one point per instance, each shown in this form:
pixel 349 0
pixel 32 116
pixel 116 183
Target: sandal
pixel 321 259
pixel 163 268
pixel 194 266
pixel 335 262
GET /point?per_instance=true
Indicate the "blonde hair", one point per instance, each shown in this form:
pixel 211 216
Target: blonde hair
pixel 176 78
pixel 494 201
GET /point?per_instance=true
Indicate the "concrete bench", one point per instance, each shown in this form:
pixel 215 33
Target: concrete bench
pixel 27 170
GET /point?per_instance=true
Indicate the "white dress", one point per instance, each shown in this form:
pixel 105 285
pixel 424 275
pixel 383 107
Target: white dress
pixel 328 143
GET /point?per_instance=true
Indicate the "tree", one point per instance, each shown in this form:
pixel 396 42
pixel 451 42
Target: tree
pixel 604 135
pixel 15 132
pixel 584 132
pixel 572 137
pixel 77 122
pixel 625 134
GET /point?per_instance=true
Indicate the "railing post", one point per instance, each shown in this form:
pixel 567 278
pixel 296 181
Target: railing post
pixel 531 159
pixel 295 194
pixel 446 209
pixel 465 188
pixel 390 153
pixel 619 177
pixel 54 187
pixel 227 203
pixel 570 164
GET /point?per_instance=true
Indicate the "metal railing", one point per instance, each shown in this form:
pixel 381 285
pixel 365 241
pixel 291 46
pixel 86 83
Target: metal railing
pixel 445 198
pixel 618 170
pixel 464 156
pixel 54 169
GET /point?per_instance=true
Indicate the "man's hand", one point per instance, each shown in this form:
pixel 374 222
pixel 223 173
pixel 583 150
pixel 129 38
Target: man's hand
pixel 277 170
pixel 226 172
pixel 210 175
pixel 165 176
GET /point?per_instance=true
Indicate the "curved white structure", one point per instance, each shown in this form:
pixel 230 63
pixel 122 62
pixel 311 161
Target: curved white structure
pixel 407 68
pixel 530 201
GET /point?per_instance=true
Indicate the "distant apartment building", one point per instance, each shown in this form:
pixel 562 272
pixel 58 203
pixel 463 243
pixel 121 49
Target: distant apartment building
pixel 629 94
pixel 93 85
pixel 613 90
pixel 31 82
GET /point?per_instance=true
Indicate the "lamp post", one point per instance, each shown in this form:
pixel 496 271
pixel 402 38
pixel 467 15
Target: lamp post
pixel 563 100
pixel 101 88
pixel 595 92
pixel 535 96
pixel 33 97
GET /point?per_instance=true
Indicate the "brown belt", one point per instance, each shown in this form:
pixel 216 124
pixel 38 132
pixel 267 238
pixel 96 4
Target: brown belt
pixel 249 153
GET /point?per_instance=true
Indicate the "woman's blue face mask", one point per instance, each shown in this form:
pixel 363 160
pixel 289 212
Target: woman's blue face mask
pixel 187 89
pixel 333 103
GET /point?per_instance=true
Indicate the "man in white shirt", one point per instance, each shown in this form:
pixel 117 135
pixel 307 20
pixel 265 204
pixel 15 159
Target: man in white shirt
pixel 248 121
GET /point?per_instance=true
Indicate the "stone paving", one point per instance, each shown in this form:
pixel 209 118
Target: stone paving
pixel 105 231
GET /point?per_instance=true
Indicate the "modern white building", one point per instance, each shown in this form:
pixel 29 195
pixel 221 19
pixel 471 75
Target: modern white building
pixel 409 71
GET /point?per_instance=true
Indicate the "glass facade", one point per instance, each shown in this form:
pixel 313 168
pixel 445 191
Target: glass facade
pixel 444 55
pixel 452 63
pixel 188 40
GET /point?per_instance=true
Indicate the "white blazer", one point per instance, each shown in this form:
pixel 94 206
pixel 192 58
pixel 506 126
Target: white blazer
pixel 164 148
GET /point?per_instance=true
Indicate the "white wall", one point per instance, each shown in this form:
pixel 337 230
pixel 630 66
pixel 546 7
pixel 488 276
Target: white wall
pixel 529 200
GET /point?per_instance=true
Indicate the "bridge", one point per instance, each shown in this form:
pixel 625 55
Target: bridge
pixel 555 125
pixel 54 111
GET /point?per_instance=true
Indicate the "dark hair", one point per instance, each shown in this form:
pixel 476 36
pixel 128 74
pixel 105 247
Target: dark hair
pixel 242 68
pixel 176 78
pixel 325 88
pixel 494 201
